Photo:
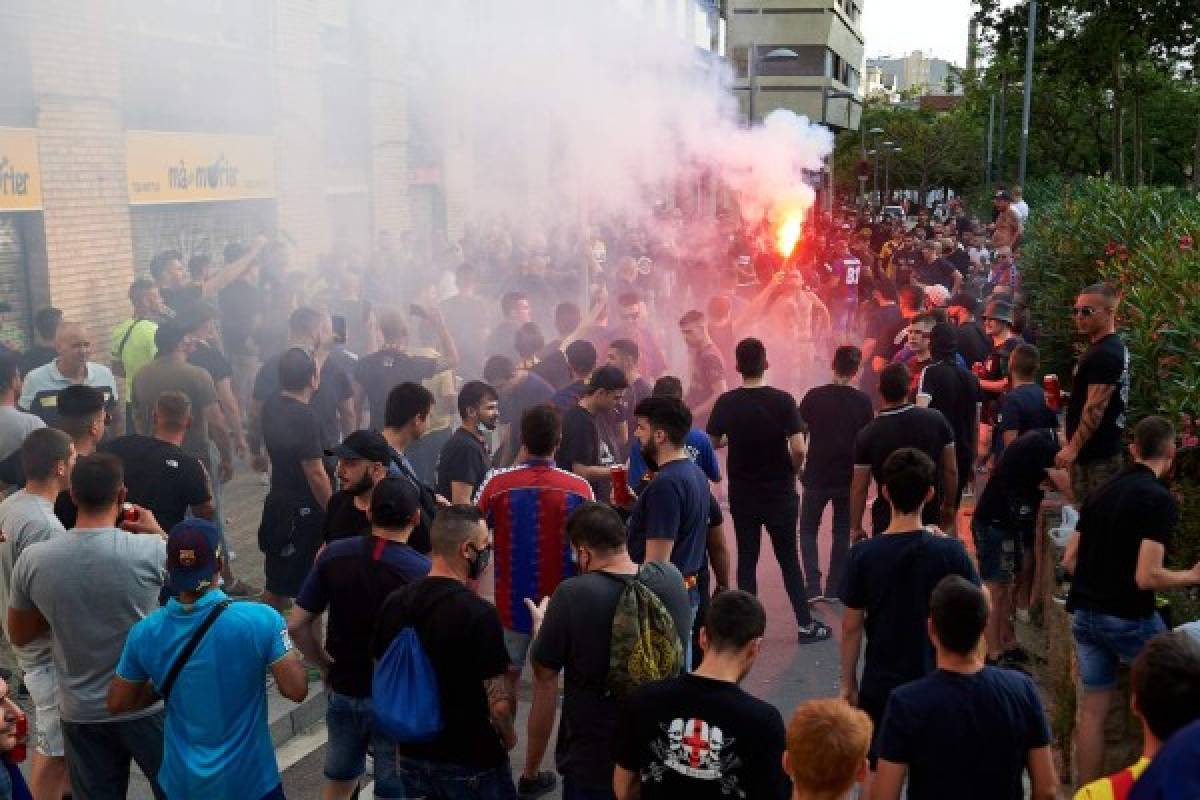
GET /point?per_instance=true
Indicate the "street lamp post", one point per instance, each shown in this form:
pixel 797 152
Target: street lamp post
pixel 875 134
pixel 1029 43
pixel 887 164
pixel 883 198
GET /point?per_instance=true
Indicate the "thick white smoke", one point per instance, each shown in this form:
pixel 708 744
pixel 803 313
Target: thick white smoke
pixel 558 110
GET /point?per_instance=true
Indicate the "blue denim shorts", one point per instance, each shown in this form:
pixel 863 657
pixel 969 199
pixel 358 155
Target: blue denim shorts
pixel 517 644
pixel 999 552
pixel 348 720
pixel 1104 642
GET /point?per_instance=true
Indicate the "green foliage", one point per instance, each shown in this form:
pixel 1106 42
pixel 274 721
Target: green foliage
pixel 1144 243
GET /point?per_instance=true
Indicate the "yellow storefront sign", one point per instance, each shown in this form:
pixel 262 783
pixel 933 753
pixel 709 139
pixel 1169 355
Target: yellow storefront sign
pixel 20 181
pixel 197 167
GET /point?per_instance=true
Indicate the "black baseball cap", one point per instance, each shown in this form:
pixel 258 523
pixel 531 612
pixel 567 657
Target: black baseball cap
pixel 363 445
pixel 394 500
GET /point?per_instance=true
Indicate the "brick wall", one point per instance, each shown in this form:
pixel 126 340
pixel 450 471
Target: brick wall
pixel 389 126
pixel 300 194
pixel 77 90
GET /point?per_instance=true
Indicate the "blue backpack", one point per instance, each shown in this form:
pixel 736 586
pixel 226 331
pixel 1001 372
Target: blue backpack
pixel 404 691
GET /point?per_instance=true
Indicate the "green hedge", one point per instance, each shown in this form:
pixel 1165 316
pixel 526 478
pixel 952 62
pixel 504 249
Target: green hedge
pixel 1143 242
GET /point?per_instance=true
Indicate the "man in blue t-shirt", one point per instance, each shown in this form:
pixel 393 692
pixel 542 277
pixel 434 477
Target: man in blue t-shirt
pixel 844 274
pixel 696 443
pixel 886 588
pixel 1023 408
pixel 217 744
pixel 351 579
pixel 966 729
pixel 669 522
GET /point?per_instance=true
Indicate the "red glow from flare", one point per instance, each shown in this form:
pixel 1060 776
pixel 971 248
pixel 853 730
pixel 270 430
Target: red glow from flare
pixel 788 232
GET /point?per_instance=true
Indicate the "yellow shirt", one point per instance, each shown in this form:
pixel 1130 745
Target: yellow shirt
pixel 138 350
pixel 1115 786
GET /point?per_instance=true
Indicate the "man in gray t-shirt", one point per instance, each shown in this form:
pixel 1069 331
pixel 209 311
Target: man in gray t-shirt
pixel 26 518
pixel 88 587
pixel 15 424
pixel 575 638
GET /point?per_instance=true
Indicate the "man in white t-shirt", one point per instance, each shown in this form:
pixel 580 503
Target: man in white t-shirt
pixel 1019 205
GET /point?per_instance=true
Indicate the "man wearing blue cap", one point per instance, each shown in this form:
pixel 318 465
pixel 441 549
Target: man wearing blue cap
pixel 206 656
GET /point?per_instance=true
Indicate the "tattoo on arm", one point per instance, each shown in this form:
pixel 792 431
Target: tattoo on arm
pixel 1093 413
pixel 500 705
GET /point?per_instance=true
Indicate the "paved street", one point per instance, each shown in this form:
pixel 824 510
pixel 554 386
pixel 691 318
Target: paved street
pixel 785 674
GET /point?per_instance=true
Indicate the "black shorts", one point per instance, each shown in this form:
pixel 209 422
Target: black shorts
pixel 289 536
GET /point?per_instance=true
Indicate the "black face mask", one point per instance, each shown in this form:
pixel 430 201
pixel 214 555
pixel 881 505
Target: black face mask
pixel 477 565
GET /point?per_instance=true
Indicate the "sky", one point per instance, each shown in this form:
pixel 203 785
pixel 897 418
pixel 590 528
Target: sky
pixel 897 27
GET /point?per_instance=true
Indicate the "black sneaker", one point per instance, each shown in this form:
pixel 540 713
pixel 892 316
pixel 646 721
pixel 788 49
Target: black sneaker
pixel 541 784
pixel 814 631
pixel 1015 655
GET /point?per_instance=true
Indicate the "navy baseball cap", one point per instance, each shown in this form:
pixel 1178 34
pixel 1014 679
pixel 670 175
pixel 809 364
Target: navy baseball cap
pixel 192 550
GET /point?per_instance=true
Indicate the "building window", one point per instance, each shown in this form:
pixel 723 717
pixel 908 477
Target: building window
pixel 791 60
pixel 740 58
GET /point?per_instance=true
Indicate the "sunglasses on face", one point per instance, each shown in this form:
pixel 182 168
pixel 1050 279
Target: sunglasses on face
pixel 1086 311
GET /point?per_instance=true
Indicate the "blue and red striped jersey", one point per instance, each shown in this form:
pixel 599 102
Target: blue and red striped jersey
pixel 527 508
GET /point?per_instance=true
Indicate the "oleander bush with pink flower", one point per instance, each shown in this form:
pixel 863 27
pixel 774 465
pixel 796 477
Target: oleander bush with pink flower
pixel 1143 241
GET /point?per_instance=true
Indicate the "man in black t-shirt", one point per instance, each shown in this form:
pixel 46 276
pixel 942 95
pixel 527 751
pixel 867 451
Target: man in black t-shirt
pixel 1003 527
pixel 993 380
pixel 966 729
pixel 954 392
pixel 761 425
pixel 332 403
pixel 700 735
pixel 464 642
pixel 973 343
pixel 1099 394
pixel 378 373
pixel 362 462
pixel 886 590
pixel 901 424
pixel 159 475
pixel 294 509
pixel 464 460
pixel 582 449
pixel 706 371
pixel 935 270
pixel 1116 555
pixel 833 415
pixel 351 579
pixel 519 390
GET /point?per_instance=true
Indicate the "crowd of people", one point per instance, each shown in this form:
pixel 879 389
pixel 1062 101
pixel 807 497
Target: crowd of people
pixel 521 451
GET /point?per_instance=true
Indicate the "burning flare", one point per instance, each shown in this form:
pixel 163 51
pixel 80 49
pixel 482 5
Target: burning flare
pixel 789 232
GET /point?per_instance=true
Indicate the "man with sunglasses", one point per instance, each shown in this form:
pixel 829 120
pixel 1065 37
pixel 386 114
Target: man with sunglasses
pixel 1099 393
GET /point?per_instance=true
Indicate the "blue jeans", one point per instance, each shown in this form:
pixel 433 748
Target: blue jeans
pixel 812 506
pixel 1103 642
pixel 348 720
pixel 99 754
pixel 574 791
pixel 425 780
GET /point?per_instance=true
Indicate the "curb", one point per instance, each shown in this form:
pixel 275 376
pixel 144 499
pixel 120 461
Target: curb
pixel 287 719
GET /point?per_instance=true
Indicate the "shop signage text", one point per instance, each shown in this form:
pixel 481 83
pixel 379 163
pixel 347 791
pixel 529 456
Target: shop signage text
pixel 20 182
pixel 198 167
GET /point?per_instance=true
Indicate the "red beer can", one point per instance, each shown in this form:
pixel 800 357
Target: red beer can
pixel 17 754
pixel 1053 391
pixel 620 483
